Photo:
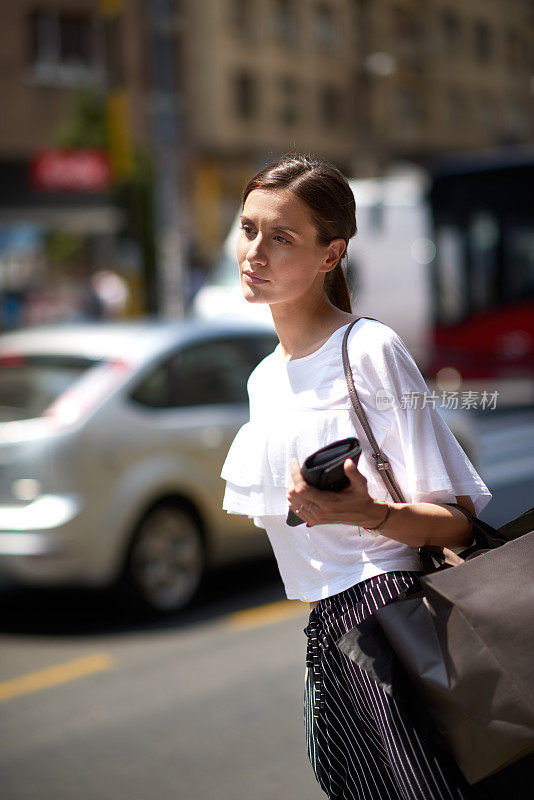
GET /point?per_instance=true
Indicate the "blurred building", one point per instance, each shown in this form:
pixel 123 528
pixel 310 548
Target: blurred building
pixel 62 156
pixel 264 77
pixel 440 76
pixel 362 82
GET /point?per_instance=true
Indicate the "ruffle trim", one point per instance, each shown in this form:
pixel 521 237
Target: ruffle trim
pixel 258 464
pixel 255 501
pixel 261 455
pixel 256 481
pixel 479 494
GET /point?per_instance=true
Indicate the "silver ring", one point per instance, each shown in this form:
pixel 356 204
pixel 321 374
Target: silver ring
pixel 299 509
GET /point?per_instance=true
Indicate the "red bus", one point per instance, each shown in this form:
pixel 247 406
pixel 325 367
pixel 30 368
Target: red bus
pixel 482 207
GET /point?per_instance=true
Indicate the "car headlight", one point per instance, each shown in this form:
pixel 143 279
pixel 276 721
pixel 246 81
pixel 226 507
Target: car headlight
pixel 26 488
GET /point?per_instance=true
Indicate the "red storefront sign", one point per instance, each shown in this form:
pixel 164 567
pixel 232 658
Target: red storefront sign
pixel 67 170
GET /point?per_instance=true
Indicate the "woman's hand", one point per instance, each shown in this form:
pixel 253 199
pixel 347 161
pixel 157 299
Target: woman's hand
pixel 352 506
pixel 414 524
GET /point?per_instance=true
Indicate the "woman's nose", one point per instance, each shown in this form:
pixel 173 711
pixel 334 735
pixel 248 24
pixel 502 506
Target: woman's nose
pixel 256 251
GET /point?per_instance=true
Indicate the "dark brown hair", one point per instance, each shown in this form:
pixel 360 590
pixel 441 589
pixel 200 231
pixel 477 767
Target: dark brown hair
pixel 331 202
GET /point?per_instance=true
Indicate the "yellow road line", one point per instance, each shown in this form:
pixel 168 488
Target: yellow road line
pixel 52 676
pixel 266 614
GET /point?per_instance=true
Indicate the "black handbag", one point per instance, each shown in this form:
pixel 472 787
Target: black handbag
pixel 463 636
pixel 324 469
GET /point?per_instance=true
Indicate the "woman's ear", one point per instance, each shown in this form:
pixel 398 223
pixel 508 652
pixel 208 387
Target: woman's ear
pixel 336 249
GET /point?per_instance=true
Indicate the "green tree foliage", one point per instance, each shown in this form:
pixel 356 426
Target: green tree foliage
pixel 85 124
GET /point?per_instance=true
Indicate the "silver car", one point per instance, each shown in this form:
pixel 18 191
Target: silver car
pixel 112 437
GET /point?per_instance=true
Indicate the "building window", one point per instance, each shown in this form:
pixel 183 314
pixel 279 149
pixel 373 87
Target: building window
pixel 285 22
pixel 458 107
pixel 330 106
pixel 289 106
pixel 486 112
pixel 483 44
pixel 515 50
pixel 517 123
pixel 408 108
pixel 245 92
pixel 405 26
pixel 242 17
pixel 325 26
pixel 62 45
pixel 451 32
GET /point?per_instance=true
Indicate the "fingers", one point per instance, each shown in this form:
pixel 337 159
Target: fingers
pixel 297 484
pixel 302 498
pixel 296 478
pixel 317 507
pixel 357 480
pixel 305 511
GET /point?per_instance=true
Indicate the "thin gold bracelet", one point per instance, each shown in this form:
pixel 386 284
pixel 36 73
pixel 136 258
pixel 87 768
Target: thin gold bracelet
pixel 379 527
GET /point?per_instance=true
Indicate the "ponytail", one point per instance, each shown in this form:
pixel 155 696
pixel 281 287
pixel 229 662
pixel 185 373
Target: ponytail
pixel 337 289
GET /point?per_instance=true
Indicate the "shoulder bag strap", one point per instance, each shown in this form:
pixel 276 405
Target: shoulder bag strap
pixel 430 560
pixel 382 464
pixel 432 557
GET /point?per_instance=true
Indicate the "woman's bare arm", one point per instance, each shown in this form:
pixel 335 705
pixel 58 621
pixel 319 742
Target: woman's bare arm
pixel 414 524
pixel 418 524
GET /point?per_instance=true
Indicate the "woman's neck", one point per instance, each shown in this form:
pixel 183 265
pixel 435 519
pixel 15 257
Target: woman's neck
pixel 303 329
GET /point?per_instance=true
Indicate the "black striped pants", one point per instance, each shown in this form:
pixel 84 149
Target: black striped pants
pixel 363 742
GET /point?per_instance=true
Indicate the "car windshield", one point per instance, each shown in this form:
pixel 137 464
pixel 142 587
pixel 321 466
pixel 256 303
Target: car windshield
pixel 29 384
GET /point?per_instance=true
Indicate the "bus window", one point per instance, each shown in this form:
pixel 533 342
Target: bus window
pixel 483 238
pixel 482 210
pixel 451 298
pixel 519 256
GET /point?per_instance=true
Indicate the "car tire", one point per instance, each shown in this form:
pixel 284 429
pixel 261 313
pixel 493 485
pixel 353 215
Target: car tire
pixel 166 561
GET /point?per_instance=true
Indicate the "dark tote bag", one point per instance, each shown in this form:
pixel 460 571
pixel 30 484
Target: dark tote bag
pixel 465 641
pixel 464 636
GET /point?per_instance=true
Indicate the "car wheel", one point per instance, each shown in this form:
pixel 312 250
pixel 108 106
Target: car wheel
pixel 166 562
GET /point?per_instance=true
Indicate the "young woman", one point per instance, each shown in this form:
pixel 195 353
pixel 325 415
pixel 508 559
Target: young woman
pixel 358 548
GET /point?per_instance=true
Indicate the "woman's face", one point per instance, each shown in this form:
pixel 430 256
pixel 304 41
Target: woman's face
pixel 279 257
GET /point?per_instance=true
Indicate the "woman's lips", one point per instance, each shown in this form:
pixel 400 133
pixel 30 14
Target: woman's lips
pixel 251 277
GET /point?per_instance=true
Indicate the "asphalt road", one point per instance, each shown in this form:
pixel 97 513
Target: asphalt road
pixel 206 705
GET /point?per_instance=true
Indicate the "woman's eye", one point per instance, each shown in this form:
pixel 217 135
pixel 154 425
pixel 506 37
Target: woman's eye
pixel 281 239
pixel 248 230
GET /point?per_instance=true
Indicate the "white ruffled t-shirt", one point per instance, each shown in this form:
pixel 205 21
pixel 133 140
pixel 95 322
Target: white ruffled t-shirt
pixel 300 405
